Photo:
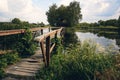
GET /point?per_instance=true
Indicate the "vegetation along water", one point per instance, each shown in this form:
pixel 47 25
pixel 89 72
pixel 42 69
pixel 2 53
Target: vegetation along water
pixel 74 58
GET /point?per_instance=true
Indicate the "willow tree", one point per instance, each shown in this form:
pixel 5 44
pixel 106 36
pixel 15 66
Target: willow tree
pixel 64 15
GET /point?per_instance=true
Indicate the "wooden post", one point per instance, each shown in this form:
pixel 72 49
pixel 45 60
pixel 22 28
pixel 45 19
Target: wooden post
pixel 49 29
pixel 41 31
pixel 48 50
pixel 43 52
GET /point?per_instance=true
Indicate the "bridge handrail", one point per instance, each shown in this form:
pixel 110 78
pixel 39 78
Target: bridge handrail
pixel 44 36
pixel 46 50
pixel 18 31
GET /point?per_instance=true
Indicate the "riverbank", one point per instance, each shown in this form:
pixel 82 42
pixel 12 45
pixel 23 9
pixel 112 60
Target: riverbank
pixel 82 62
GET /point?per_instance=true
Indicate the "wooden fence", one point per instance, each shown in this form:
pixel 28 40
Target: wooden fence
pixel 45 43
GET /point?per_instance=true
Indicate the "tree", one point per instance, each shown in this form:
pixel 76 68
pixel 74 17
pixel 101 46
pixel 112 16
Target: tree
pixel 111 22
pixel 51 15
pixel 101 22
pixel 16 21
pixel 118 21
pixel 74 12
pixel 42 24
pixel 64 15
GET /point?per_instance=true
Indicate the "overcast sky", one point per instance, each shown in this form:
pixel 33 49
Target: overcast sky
pixel 35 10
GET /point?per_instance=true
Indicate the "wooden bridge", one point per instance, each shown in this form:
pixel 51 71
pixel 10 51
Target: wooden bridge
pixel 28 67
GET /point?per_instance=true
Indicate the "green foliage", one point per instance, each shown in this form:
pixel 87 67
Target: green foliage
pixel 11 57
pixel 16 21
pixel 26 46
pixel 118 21
pixel 58 49
pixel 64 15
pixel 51 15
pixel 2 62
pixel 7 59
pixel 2 74
pixel 80 63
pixel 42 24
pixel 9 42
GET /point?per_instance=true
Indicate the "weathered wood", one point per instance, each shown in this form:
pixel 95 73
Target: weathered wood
pixel 17 31
pixel 52 47
pixel 52 33
pixel 48 50
pixel 49 29
pixel 43 52
pixel 41 31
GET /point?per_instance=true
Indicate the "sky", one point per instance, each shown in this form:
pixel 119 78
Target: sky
pixel 34 11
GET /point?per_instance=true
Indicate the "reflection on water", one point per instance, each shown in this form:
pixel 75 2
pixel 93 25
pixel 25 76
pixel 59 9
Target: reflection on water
pixel 105 43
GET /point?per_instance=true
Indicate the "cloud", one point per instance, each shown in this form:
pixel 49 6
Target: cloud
pixel 34 10
pixel 3 6
pixel 23 9
pixel 94 10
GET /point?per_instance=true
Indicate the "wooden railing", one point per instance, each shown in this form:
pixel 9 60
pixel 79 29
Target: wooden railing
pixel 44 40
pixel 17 31
pixel 45 43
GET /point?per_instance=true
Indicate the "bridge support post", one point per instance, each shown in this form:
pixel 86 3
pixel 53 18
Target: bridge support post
pixel 41 31
pixel 47 50
pixel 43 52
pixel 49 29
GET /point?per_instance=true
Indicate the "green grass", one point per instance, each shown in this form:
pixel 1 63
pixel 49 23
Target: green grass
pixel 81 62
pixel 7 59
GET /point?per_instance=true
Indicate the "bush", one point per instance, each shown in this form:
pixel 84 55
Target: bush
pixel 7 59
pixel 11 57
pixel 26 46
pixel 80 62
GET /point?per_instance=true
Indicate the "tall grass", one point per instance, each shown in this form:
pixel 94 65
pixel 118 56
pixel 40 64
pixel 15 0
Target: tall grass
pixel 81 62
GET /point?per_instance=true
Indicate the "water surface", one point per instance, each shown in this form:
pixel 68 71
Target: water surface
pixel 104 43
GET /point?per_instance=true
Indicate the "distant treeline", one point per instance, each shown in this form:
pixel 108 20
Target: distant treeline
pixel 110 22
pixel 16 23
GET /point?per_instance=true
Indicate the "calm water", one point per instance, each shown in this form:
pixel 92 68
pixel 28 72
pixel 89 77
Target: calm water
pixel 102 42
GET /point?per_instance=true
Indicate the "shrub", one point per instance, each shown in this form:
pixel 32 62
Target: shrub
pixel 80 62
pixel 26 46
pixel 7 59
pixel 11 57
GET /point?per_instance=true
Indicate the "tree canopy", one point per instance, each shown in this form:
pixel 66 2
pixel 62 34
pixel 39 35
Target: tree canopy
pixel 64 15
pixel 118 21
pixel 16 21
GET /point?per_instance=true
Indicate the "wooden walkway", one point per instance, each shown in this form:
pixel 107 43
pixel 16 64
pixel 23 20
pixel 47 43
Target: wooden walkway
pixel 26 68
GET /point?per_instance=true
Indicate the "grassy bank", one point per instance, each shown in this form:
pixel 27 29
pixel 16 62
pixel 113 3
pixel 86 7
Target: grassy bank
pixel 82 62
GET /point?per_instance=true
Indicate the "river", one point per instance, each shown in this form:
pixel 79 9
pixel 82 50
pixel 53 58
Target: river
pixel 101 41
